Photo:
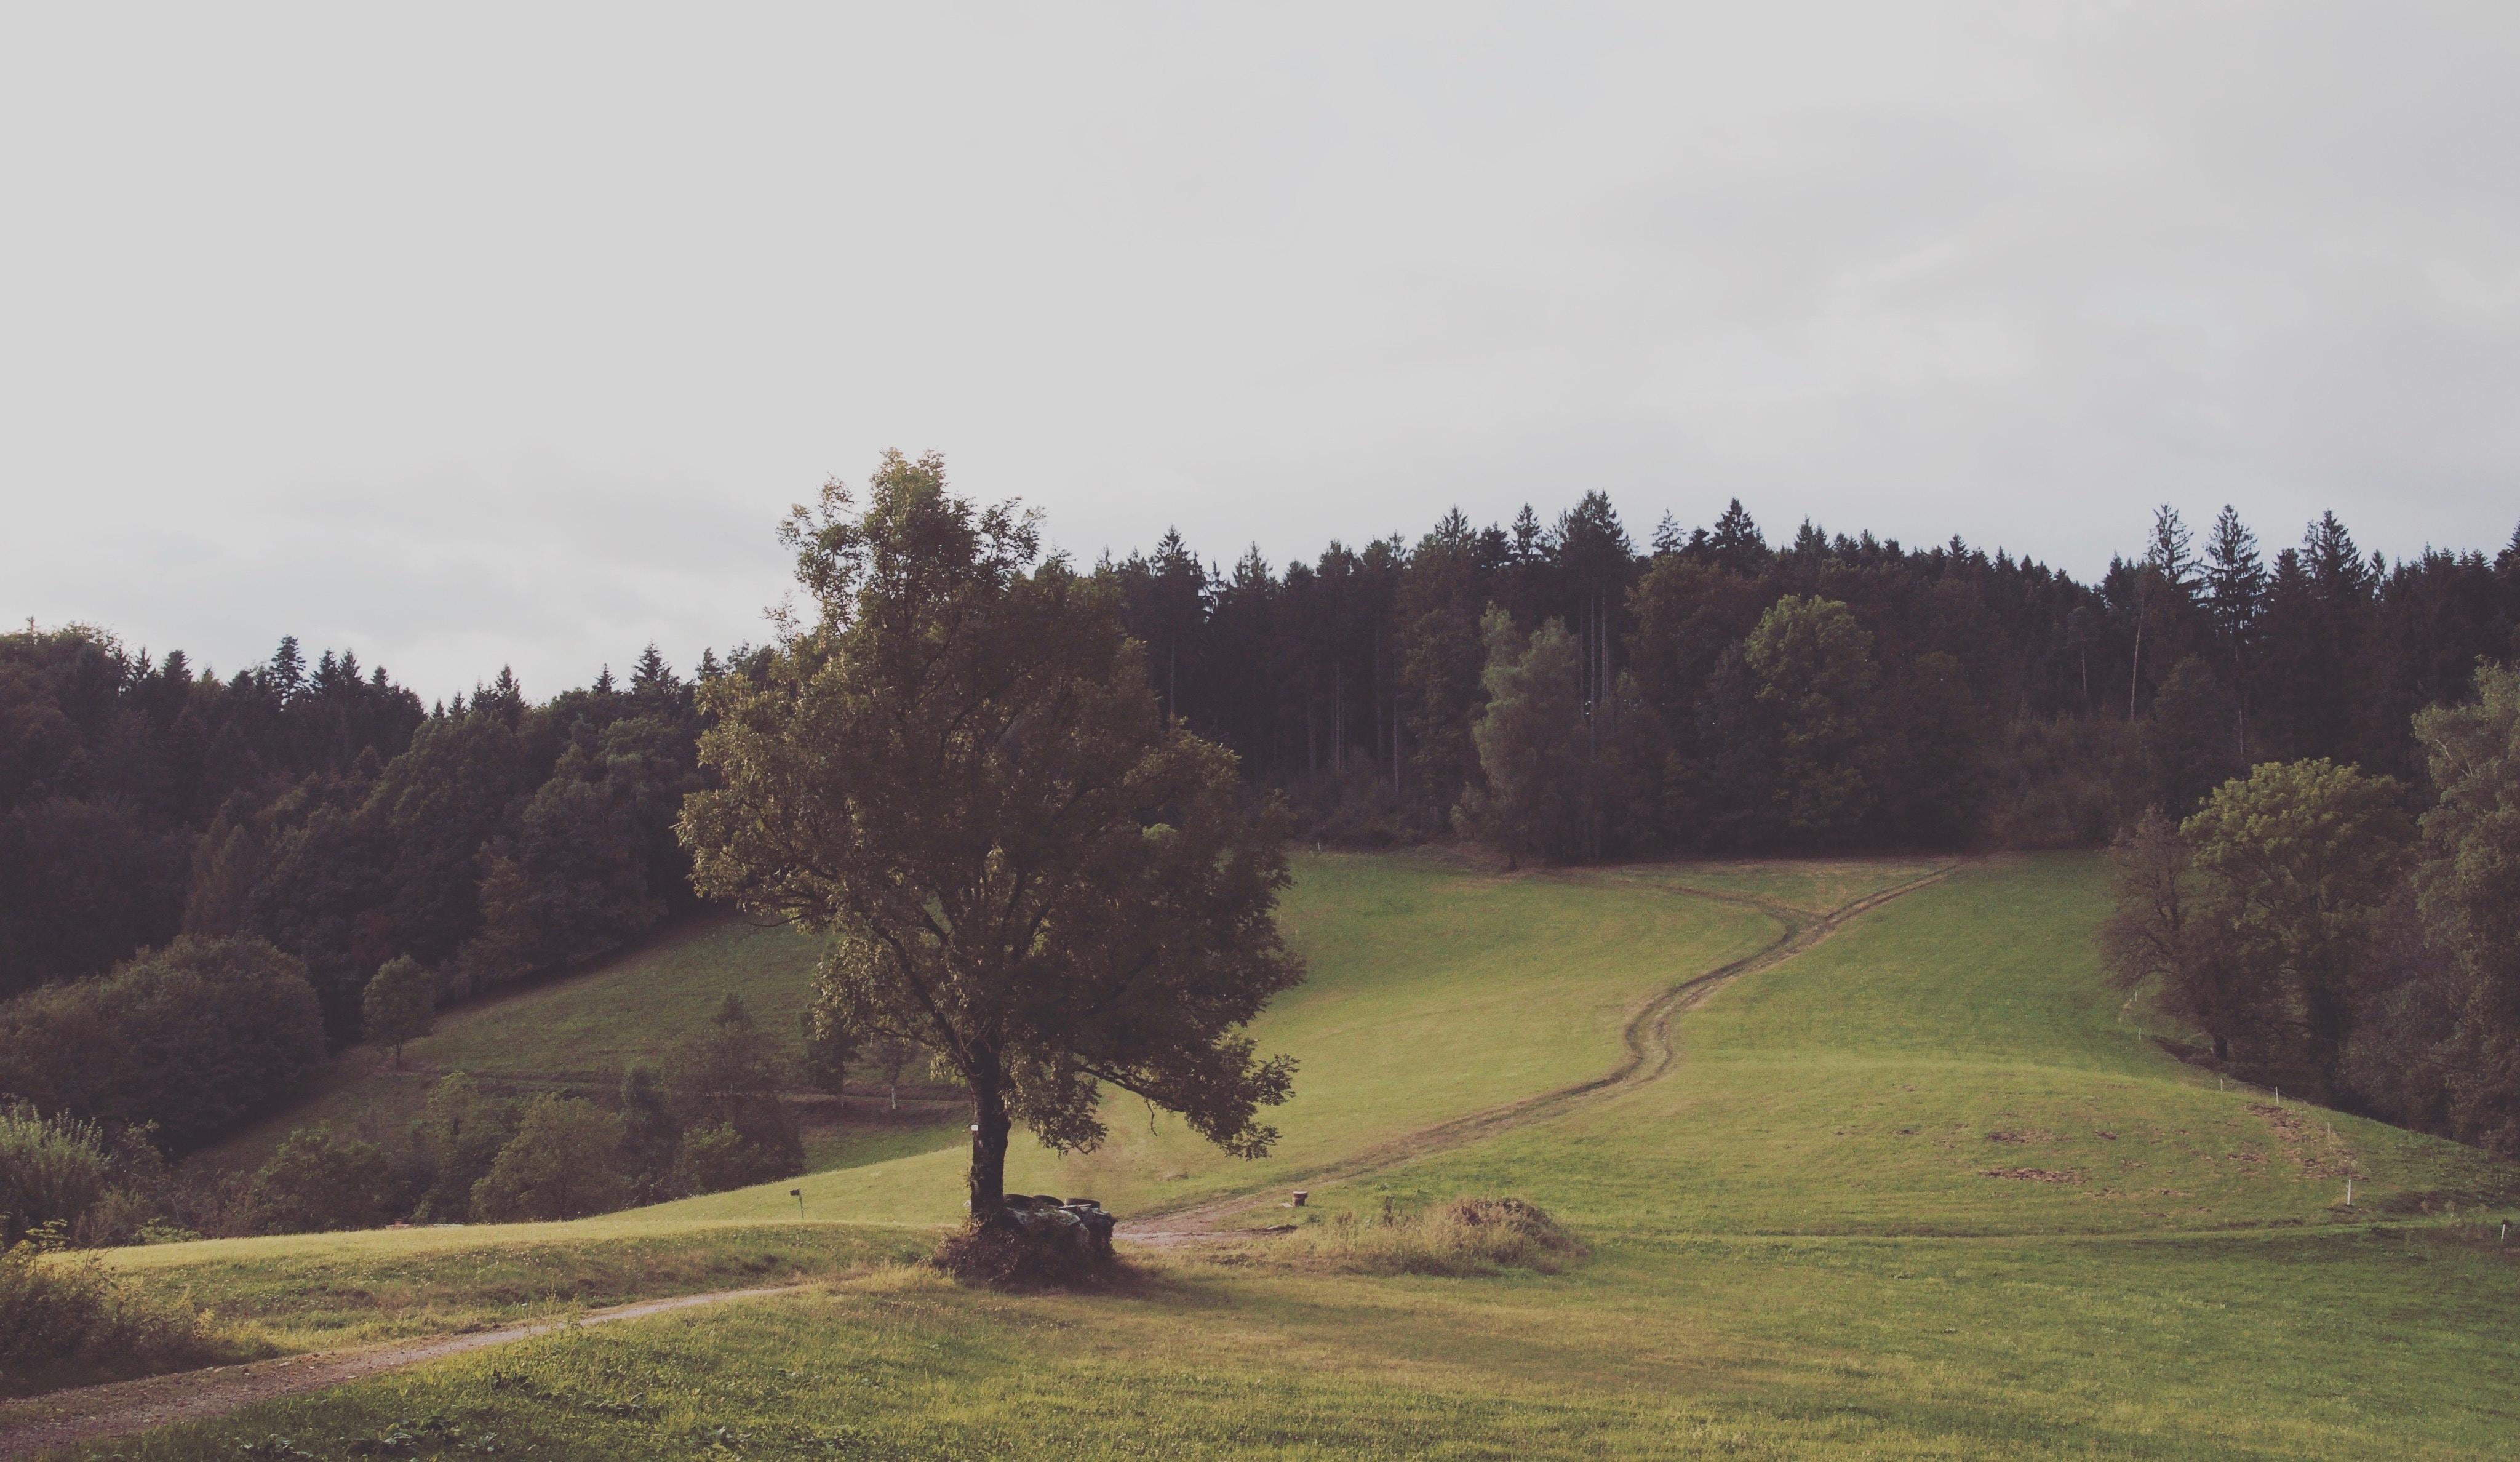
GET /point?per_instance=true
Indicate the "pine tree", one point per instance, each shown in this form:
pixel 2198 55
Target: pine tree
pixel 2235 579
pixel 1736 541
pixel 288 669
pixel 2235 596
pixel 651 676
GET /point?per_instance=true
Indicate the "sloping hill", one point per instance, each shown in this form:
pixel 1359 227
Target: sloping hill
pixel 1821 1231
pixel 580 1032
pixel 1954 1064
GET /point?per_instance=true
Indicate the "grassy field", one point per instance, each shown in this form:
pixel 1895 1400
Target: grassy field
pixel 1925 1190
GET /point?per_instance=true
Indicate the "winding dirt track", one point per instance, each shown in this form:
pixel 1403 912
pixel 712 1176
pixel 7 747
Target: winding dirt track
pixel 1650 1055
pixel 65 1418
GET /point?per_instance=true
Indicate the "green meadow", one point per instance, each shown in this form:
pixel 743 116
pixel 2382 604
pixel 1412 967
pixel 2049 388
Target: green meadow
pixel 1929 1188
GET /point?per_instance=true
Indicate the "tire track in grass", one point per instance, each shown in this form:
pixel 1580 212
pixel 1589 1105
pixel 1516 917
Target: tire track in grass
pixel 1651 1054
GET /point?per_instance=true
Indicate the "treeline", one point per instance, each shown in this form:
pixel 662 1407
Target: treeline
pixel 1710 692
pixel 331 814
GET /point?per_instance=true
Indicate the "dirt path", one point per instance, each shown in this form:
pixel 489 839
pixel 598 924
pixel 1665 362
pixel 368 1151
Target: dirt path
pixel 1650 1055
pixel 96 1413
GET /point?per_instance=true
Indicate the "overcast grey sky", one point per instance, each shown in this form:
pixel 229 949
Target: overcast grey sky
pixel 503 334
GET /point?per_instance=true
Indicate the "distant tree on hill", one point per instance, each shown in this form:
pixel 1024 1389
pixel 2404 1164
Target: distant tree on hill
pixel 400 1004
pixel 728 1075
pixel 317 1183
pixel 962 773
pixel 2296 865
pixel 1815 668
pixel 1534 800
pixel 2468 887
pixel 564 1163
pixel 459 1135
pixel 651 1135
pixel 830 1047
pixel 2158 939
pixel 893 1056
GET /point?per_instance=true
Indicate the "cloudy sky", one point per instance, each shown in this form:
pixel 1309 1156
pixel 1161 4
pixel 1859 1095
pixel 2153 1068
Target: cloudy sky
pixel 505 335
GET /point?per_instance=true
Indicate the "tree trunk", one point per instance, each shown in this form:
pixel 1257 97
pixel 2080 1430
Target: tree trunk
pixel 1338 719
pixel 2222 1048
pixel 2135 673
pixel 989 1128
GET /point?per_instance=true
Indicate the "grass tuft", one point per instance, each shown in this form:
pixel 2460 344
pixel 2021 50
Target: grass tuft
pixel 1467 1236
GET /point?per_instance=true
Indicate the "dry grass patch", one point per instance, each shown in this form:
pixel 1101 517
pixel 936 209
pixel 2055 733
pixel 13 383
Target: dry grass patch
pixel 1464 1237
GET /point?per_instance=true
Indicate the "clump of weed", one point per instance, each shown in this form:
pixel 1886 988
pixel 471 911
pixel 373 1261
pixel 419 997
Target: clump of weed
pixel 1466 1236
pixel 66 1321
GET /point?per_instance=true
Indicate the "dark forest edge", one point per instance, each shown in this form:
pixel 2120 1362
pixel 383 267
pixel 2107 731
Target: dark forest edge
pixel 185 859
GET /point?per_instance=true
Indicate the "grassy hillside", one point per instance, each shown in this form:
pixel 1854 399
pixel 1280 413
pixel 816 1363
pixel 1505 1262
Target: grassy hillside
pixel 1433 991
pixel 1813 1235
pixel 1954 1064
pixel 582 1030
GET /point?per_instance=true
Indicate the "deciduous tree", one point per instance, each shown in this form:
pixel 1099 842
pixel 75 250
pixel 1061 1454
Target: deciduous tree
pixel 959 773
pixel 400 1004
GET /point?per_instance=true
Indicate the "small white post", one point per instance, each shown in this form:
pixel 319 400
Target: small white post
pixel 2349 1193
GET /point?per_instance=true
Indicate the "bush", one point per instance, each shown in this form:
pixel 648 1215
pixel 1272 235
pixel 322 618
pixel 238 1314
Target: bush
pixel 65 1320
pixel 717 1158
pixel 1466 1236
pixel 457 1139
pixel 195 1038
pixel 730 1074
pixel 562 1164
pixel 317 1183
pixel 53 1171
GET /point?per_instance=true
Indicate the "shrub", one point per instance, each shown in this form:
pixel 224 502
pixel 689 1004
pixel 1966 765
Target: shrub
pixel 717 1158
pixel 53 1171
pixel 560 1164
pixel 457 1138
pixel 1466 1236
pixel 650 1134
pixel 195 1038
pixel 730 1074
pixel 65 1320
pixel 318 1182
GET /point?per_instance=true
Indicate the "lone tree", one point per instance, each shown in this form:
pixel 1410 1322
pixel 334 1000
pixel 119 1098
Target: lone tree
pixel 959 772
pixel 400 1004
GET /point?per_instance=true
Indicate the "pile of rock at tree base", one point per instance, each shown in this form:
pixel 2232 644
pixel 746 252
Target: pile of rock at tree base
pixel 1035 1240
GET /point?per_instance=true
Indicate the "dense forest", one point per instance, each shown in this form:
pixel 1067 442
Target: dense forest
pixel 1552 690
